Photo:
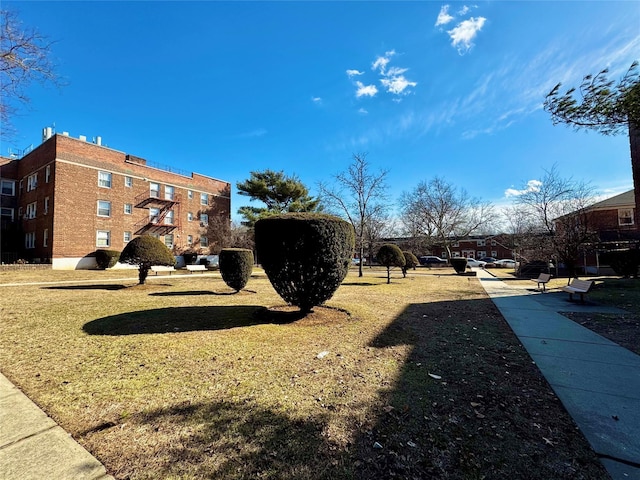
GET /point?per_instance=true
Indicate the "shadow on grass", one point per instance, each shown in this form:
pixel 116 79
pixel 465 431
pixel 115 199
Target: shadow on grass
pixel 200 292
pixel 360 284
pixel 235 440
pixel 88 287
pixel 186 319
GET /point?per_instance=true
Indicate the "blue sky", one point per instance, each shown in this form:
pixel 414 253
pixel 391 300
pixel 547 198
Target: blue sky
pixel 427 88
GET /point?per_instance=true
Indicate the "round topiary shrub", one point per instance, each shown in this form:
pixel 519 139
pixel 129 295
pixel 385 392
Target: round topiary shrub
pixel 235 267
pixel 107 258
pixel 189 258
pixel 459 264
pixel 411 261
pixel 305 255
pixel 146 251
pixel 390 255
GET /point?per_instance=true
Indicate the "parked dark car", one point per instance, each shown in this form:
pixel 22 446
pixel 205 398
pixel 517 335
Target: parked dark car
pixel 431 260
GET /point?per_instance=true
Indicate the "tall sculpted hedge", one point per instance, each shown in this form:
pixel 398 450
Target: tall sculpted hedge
pixel 144 252
pixel 305 255
pixel 236 265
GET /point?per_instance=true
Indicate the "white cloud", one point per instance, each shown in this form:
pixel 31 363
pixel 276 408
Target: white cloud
pixel 443 16
pixel 362 111
pixel 532 186
pixel 397 84
pixel 365 90
pixel 465 9
pixel 316 100
pixel 465 32
pixel 351 73
pixel 394 71
pixel 381 62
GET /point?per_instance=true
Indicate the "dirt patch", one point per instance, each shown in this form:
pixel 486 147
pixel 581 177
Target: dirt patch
pixel 623 329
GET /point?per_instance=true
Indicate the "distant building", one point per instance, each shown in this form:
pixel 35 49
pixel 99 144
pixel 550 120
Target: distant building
pixel 613 219
pixel 69 197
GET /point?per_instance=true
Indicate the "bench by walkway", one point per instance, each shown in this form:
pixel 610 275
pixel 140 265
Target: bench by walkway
pixel 543 279
pixel 597 381
pixel 196 268
pixel 580 287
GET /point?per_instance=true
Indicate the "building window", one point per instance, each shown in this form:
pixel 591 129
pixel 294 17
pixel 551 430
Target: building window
pixel 204 199
pixel 128 209
pixel 204 219
pixel 104 208
pixel 481 254
pixel 104 179
pixel 127 237
pixel 8 187
pixel 45 237
pixel 189 239
pixel 493 243
pixel 47 174
pixel 190 194
pixel 189 216
pixel 625 216
pixel 7 213
pixel 154 190
pixel 31 211
pixel 128 182
pixel 32 182
pixel 168 241
pixel 455 244
pixel 168 219
pixel 30 240
pixel 494 253
pixel 480 243
pixel 46 205
pixel 203 241
pixel 168 192
pixel 154 213
pixel 103 238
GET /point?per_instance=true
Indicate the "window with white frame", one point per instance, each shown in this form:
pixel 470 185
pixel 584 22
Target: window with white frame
pixel 104 208
pixel 30 212
pixel 168 241
pixel 46 205
pixel 480 243
pixel 169 192
pixel 154 190
pixel 189 216
pixel 45 237
pixel 204 219
pixel 481 254
pixel 493 243
pixel 32 182
pixel 128 208
pixel 126 237
pixel 168 218
pixel 189 239
pixel 128 182
pixel 204 199
pixel 104 179
pixel 203 241
pixel 455 244
pixel 30 240
pixel 47 174
pixel 154 213
pixel 190 194
pixel 8 187
pixel 103 238
pixel 494 253
pixel 625 216
pixel 6 213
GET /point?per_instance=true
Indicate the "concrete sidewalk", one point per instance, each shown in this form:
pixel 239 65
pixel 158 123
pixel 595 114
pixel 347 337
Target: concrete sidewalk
pixel 34 447
pixel 597 380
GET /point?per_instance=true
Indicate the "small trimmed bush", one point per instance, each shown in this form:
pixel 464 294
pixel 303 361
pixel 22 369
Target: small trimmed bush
pixel 411 261
pixel 305 255
pixel 146 251
pixel 623 262
pixel 107 258
pixel 459 264
pixel 189 258
pixel 390 255
pixel 236 265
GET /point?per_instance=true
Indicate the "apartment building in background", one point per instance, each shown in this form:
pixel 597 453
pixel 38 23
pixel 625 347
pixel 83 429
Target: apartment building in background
pixel 69 197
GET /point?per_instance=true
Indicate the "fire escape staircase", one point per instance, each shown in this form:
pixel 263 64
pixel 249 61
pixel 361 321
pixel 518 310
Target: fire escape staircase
pixel 157 224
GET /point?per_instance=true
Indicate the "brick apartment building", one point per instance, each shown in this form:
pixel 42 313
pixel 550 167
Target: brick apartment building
pixel 68 197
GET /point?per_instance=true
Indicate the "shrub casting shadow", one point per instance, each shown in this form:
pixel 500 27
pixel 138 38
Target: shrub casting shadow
pixel 363 284
pixel 184 319
pixel 198 292
pixel 88 287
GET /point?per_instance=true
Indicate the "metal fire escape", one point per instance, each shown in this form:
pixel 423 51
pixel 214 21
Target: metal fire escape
pixel 162 223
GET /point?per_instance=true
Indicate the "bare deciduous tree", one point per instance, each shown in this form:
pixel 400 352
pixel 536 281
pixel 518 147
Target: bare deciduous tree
pixel 357 194
pixel 223 233
pixel 557 208
pixel 25 57
pixel 443 212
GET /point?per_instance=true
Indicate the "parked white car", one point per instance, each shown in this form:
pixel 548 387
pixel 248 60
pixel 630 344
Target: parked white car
pixel 472 262
pixel 505 263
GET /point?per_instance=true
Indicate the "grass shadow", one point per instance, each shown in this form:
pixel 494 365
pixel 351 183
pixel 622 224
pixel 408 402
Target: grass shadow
pixel 185 319
pixel 87 287
pixel 360 284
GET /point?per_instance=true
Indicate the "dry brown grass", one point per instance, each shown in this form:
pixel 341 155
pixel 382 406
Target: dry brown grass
pixel 180 379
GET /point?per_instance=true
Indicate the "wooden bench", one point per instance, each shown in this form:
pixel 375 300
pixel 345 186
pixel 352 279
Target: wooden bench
pixel 162 268
pixel 578 286
pixel 196 268
pixel 543 279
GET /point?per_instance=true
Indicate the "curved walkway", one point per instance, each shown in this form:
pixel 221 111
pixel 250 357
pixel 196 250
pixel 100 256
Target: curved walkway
pixel 597 380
